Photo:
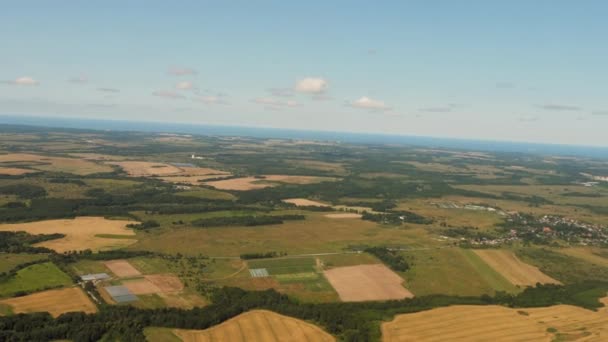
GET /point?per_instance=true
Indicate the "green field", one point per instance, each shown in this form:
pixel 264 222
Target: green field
pixel 350 259
pixel 8 261
pixel 452 271
pixel 160 335
pixel 565 268
pixel 208 194
pixel 33 278
pixel 284 265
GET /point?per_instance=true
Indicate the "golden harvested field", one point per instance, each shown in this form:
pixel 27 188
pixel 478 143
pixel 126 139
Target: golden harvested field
pixel 305 202
pixel 80 233
pixel 56 302
pixel 497 323
pixel 366 282
pixel 514 270
pixel 122 268
pixel 13 171
pixel 57 164
pixel 343 216
pixel 257 325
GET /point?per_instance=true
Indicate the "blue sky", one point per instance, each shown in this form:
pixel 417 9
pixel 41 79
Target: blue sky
pixel 510 70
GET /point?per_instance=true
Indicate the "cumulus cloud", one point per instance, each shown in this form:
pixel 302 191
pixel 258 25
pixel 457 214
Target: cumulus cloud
pixel 560 107
pixel 365 102
pixel 109 90
pixel 168 94
pixel 312 85
pixel 182 71
pixel 23 81
pixel 185 85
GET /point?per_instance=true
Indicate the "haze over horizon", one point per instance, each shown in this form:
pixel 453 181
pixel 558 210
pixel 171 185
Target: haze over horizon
pixel 516 71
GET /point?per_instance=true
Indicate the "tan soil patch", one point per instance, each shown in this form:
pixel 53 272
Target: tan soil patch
pixel 344 216
pixel 56 302
pixel 80 233
pixel 166 283
pixel 141 287
pixel 514 270
pixel 60 164
pixel 497 323
pixel 13 171
pixel 366 282
pixel 239 184
pixel 300 202
pixel 122 268
pixel 257 326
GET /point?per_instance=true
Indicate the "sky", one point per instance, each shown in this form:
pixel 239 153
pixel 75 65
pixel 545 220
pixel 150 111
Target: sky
pixel 532 71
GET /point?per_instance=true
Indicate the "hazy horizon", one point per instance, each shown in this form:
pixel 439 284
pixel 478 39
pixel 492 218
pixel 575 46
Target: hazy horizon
pixel 516 71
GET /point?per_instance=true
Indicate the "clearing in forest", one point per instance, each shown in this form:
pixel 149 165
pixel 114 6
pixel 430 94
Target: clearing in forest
pixel 366 282
pixel 514 270
pixel 303 202
pixel 257 325
pixel 56 302
pixel 497 323
pixel 122 268
pixel 80 233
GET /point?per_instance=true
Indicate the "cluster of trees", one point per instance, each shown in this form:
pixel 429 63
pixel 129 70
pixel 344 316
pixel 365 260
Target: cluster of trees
pixel 144 225
pixel 22 190
pixel 247 220
pixel 396 217
pixel 392 258
pixel 248 256
pixel 21 242
pixel 347 321
pixel 4 276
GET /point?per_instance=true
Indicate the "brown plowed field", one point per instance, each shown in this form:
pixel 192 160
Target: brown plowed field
pixel 366 282
pixel 514 270
pixel 257 326
pixel 166 283
pixel 56 302
pixel 141 287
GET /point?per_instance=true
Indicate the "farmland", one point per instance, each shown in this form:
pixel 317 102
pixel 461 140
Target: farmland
pixel 56 302
pixel 343 236
pixel 80 233
pixel 258 326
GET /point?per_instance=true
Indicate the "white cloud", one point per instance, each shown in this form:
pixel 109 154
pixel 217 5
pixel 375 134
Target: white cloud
pixel 168 94
pixel 369 103
pixel 24 81
pixel 312 85
pixel 79 80
pixel 109 90
pixel 185 85
pixel 210 99
pixel 182 71
pixel 274 103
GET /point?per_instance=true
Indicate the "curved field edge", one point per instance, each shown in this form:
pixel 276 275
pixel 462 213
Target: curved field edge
pixel 346 321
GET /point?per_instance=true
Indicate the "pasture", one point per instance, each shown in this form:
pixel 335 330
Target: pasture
pixel 8 261
pixel 497 323
pixel 265 181
pixel 257 326
pixel 33 278
pixel 80 233
pixel 366 282
pixel 513 269
pixel 55 302
pixel 453 271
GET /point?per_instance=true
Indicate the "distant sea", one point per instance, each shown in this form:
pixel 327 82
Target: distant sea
pixel 357 138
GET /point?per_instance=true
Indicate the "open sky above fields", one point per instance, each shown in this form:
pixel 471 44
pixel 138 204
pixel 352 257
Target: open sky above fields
pixel 517 70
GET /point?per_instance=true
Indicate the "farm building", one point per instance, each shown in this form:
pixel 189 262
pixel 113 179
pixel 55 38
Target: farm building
pixel 94 276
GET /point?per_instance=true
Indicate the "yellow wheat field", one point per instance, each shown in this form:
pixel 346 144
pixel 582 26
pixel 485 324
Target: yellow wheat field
pixel 257 326
pixel 56 302
pixel 514 270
